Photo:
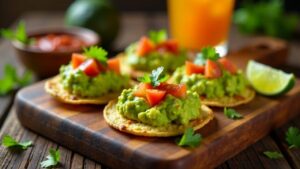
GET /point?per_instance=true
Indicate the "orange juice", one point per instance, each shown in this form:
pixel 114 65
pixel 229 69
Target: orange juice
pixel 199 23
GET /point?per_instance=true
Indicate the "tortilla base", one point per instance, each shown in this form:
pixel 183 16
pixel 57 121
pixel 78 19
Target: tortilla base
pixel 117 121
pixel 54 88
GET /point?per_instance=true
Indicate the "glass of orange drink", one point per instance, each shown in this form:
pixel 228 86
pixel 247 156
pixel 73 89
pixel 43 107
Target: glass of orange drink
pixel 199 23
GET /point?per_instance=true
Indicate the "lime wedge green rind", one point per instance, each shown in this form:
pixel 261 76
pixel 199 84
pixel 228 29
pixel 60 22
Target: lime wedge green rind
pixel 267 80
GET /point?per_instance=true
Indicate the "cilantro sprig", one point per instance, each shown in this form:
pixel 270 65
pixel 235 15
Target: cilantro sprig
pixel 232 114
pixel 158 36
pixel 156 77
pixel 293 137
pixel 266 17
pixel 52 159
pixel 190 139
pixel 10 142
pixel 206 53
pixel 97 53
pixel 11 81
pixel 273 154
pixel 19 34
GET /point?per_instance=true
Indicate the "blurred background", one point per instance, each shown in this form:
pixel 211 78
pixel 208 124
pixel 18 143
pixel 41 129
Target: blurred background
pixel 10 10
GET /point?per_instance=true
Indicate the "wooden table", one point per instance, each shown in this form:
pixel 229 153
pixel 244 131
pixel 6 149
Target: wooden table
pixel 134 25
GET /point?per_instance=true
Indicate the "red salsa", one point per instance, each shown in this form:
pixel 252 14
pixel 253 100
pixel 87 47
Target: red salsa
pixel 59 42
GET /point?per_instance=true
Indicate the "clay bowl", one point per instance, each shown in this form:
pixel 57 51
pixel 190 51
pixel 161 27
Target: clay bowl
pixel 47 63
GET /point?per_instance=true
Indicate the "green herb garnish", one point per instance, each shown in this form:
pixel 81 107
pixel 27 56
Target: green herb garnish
pixel 97 53
pixel 19 34
pixel 190 139
pixel 232 114
pixel 158 36
pixel 11 81
pixel 273 154
pixel 206 53
pixel 156 77
pixel 52 159
pixel 10 142
pixel 293 137
pixel 266 17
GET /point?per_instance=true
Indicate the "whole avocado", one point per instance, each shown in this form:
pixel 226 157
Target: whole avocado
pixel 97 15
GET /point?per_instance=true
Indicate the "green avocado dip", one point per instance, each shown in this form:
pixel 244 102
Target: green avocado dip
pixel 171 110
pixel 227 85
pixel 78 83
pixel 154 59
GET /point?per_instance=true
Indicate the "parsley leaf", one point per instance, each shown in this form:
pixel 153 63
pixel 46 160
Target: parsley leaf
pixel 10 142
pixel 52 159
pixel 232 114
pixel 19 34
pixel 190 139
pixel 156 77
pixel 10 80
pixel 158 36
pixel 97 53
pixel 266 17
pixel 293 137
pixel 273 154
pixel 206 53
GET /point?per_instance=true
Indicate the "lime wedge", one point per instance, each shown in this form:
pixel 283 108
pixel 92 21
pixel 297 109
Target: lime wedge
pixel 267 80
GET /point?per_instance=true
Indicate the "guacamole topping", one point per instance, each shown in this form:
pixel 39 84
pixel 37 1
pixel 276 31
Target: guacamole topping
pixel 78 83
pixel 170 110
pixel 226 85
pixel 154 59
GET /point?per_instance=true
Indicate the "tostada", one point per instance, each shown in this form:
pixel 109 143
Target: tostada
pixel 156 108
pixel 217 80
pixel 90 78
pixel 153 51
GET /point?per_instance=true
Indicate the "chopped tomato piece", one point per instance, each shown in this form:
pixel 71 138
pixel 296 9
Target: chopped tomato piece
pixel 114 65
pixel 174 89
pixel 228 65
pixel 212 69
pixel 90 67
pixel 141 90
pixel 170 45
pixel 77 59
pixel 191 68
pixel 144 46
pixel 155 96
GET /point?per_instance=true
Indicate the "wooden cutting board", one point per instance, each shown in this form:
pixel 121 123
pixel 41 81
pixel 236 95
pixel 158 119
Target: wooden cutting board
pixel 83 129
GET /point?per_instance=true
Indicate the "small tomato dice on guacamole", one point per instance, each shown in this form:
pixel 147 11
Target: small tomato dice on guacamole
pixel 90 67
pixel 212 69
pixel 144 46
pixel 114 65
pixel 175 90
pixel 77 60
pixel 227 65
pixel 155 96
pixel 191 68
pixel 141 89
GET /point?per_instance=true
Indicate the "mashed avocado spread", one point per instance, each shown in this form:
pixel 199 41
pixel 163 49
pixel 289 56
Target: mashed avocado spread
pixel 170 110
pixel 154 59
pixel 77 83
pixel 227 85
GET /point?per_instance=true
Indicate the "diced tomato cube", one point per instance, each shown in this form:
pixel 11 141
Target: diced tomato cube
pixel 77 59
pixel 191 68
pixel 228 65
pixel 141 89
pixel 114 65
pixel 155 96
pixel 145 45
pixel 170 45
pixel 90 67
pixel 212 69
pixel 174 89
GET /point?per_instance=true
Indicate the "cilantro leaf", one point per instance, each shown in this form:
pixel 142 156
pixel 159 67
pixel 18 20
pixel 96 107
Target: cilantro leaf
pixel 273 154
pixel 158 36
pixel 293 137
pixel 10 142
pixel 232 114
pixel 190 139
pixel 97 53
pixel 156 77
pixel 52 159
pixel 10 80
pixel 206 53
pixel 19 34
